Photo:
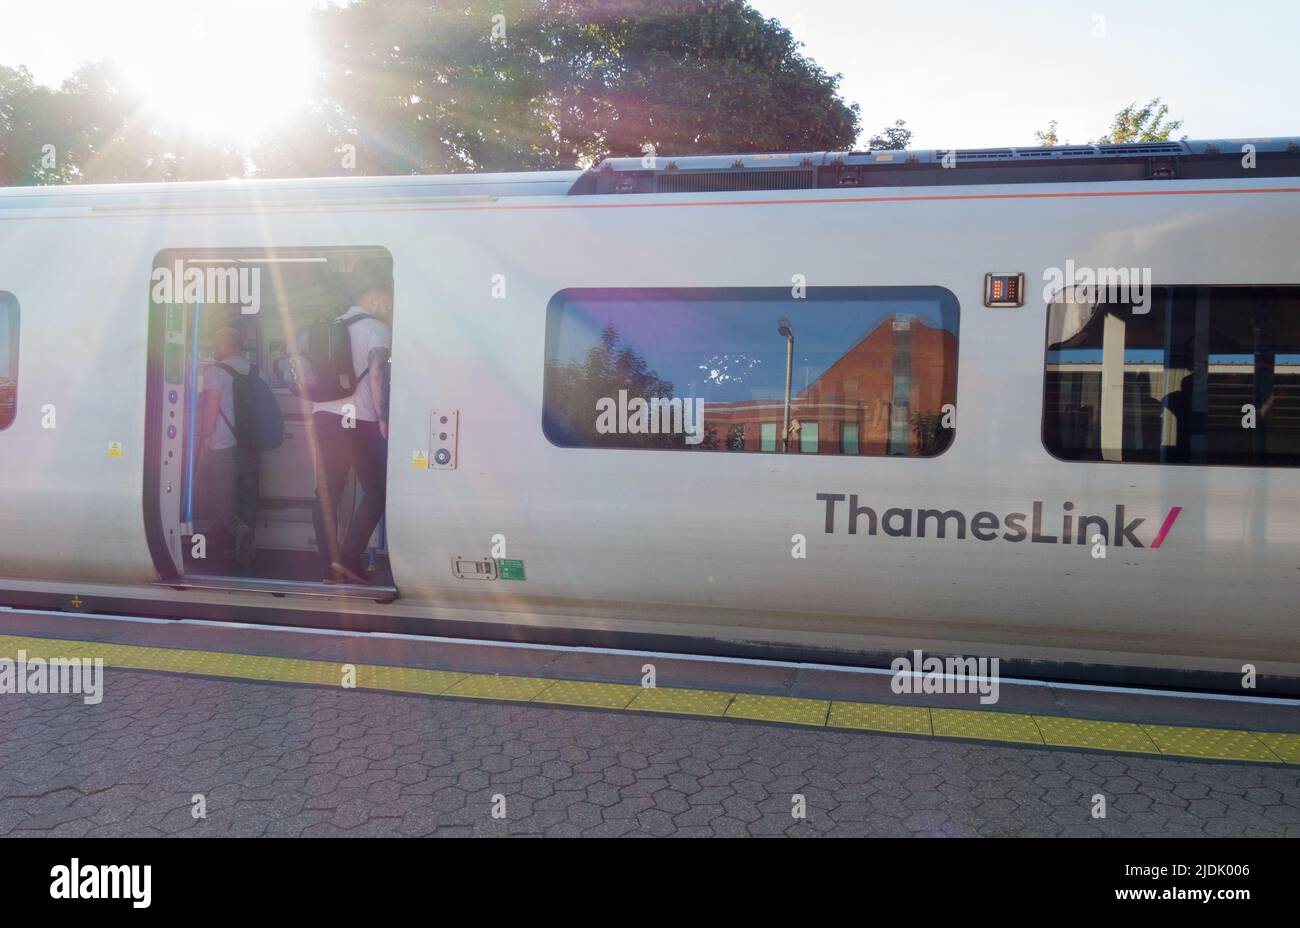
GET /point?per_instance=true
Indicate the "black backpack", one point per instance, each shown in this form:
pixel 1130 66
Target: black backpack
pixel 321 363
pixel 259 424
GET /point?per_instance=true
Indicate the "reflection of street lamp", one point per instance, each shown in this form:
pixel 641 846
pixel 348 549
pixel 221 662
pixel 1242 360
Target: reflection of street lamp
pixel 784 328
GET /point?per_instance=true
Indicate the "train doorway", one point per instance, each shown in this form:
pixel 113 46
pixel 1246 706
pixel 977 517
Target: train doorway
pixel 225 509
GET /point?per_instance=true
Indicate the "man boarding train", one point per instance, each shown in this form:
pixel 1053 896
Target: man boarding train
pixel 351 435
pixel 230 468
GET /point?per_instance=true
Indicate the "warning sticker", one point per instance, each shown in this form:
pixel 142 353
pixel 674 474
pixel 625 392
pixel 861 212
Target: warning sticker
pixel 420 460
pixel 114 449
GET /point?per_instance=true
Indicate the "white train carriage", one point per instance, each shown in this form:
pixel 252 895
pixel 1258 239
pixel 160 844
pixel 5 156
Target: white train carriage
pixel 809 405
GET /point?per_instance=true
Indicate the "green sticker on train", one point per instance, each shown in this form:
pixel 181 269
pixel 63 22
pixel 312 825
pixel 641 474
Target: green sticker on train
pixel 509 569
pixel 175 319
pixel 173 362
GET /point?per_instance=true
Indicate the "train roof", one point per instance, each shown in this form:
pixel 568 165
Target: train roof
pixel 340 191
pixel 1068 164
pixel 1187 160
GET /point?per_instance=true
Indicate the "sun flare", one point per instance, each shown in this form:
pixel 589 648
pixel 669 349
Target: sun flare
pixel 231 72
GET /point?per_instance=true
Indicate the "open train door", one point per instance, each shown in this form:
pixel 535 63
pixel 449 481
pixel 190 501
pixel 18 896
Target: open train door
pixel 269 296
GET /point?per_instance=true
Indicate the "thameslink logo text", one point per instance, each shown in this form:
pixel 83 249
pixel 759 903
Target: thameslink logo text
pixel 1066 527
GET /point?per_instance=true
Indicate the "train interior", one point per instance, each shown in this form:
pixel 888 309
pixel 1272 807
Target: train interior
pixel 1205 375
pixel 296 289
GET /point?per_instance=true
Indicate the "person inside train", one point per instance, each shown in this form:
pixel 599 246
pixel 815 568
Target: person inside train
pixel 1142 419
pixel 1190 417
pixel 351 436
pixel 228 473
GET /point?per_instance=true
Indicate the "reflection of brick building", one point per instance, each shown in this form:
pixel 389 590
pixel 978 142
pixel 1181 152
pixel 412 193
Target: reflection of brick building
pixel 8 398
pixel 864 403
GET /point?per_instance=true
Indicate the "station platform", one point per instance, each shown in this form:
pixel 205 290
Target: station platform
pixel 295 732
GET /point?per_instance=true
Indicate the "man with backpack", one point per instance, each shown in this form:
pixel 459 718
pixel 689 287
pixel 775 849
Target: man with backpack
pixel 351 432
pixel 229 467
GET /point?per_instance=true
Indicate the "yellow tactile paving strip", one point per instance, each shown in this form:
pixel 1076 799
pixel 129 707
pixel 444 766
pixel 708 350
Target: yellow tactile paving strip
pixel 597 695
pixel 1060 731
pixel 682 702
pixel 907 720
pixel 786 709
pixel 1284 746
pixel 491 686
pixel 983 725
pixel 1208 742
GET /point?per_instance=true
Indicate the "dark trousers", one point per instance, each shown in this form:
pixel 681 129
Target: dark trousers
pixel 338 450
pixel 229 481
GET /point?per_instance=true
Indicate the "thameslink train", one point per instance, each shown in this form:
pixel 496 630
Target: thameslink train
pixel 1039 404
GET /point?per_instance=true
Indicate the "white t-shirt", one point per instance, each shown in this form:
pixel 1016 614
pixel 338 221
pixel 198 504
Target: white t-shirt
pixel 214 378
pixel 365 335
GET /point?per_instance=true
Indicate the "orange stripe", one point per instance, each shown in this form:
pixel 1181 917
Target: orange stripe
pixel 788 202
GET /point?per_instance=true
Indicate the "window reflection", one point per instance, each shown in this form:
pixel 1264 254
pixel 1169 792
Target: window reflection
pixel 8 359
pixel 869 370
pixel 1179 383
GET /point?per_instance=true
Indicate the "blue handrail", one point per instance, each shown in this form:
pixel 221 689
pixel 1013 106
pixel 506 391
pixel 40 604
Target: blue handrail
pixel 192 417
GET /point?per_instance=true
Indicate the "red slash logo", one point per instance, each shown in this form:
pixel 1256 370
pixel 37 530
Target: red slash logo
pixel 1168 524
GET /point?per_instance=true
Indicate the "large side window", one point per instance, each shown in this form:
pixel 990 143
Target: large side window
pixel 843 370
pixel 8 359
pixel 1206 375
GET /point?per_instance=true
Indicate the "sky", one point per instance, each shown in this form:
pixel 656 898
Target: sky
pixel 89 29
pixel 985 73
pixel 962 74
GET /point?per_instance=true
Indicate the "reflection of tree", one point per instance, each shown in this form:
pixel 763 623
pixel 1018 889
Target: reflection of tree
pixel 928 434
pixel 573 388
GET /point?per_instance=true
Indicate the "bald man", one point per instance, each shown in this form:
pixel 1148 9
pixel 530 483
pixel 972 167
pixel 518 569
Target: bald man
pixel 229 473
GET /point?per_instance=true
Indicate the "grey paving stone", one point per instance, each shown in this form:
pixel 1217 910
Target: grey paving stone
pixel 279 760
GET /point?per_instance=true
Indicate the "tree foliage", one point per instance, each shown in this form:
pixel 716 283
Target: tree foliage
pixel 31 117
pixel 91 129
pixel 1051 138
pixel 431 87
pixel 893 138
pixel 573 389
pixel 434 86
pixel 1145 123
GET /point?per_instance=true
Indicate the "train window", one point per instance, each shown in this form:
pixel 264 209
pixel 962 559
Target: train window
pixel 8 359
pixel 842 370
pixel 1207 375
